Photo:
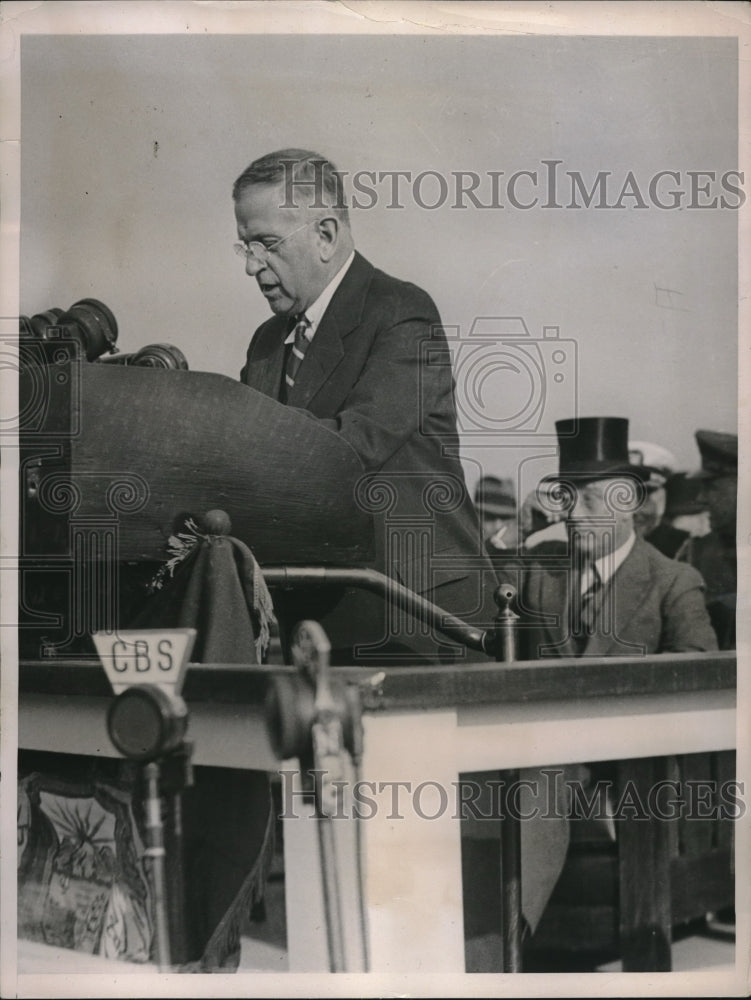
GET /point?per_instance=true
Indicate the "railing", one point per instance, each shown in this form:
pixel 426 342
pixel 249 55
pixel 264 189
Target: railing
pixel 442 721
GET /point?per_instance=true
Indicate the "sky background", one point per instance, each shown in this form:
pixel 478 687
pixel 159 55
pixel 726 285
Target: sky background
pixel 130 145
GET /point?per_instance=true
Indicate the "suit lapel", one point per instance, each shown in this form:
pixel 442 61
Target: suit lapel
pixel 326 350
pixel 619 602
pixel 321 359
pixel 265 371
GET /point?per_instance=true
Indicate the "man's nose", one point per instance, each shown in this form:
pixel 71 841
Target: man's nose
pixel 253 266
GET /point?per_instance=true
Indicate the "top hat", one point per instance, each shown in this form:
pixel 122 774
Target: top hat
pixel 719 454
pixel 595 448
pixel 495 497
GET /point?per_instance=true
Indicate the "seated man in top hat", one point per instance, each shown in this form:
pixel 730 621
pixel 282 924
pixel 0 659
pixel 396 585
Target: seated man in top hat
pixel 610 593
pixel 604 591
pixel 599 590
pixel 657 463
pixel 714 554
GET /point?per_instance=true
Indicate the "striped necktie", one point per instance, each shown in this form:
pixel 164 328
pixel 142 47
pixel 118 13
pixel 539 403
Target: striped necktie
pixel 298 347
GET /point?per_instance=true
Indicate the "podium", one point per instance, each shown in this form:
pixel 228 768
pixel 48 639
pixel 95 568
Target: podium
pixel 149 446
pixel 114 459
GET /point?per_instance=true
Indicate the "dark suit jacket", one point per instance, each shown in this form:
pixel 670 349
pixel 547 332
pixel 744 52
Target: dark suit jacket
pixel 378 372
pixel 672 542
pixel 652 604
pixel 715 558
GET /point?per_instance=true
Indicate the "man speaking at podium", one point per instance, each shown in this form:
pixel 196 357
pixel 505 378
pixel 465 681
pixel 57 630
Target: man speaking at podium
pixel 346 344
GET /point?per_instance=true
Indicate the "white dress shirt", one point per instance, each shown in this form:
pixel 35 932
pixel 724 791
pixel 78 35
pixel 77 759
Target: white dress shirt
pixel 314 313
pixel 608 564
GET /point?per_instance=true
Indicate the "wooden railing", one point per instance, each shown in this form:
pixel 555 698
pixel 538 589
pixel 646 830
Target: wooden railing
pixel 441 722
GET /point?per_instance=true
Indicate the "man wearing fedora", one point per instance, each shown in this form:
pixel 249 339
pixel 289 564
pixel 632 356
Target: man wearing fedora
pixel 605 591
pixel 714 554
pixel 495 503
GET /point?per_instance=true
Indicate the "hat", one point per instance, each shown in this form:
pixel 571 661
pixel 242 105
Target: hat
pixel 719 454
pixel 660 462
pixel 495 497
pixel 595 448
pixel 682 495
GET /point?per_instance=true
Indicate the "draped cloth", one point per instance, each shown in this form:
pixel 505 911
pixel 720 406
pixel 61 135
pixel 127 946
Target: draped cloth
pixel 217 588
pixel 213 584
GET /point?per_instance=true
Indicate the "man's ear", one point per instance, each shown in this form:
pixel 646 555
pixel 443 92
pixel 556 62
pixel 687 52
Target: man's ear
pixel 328 236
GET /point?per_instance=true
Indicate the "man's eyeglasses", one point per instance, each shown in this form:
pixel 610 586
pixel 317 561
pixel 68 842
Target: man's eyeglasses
pixel 260 251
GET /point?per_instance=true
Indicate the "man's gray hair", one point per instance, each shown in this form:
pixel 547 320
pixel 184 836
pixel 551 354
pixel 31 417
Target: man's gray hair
pixel 302 172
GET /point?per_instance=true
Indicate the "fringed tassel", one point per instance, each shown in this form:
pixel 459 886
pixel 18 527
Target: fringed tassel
pixel 257 596
pixel 179 547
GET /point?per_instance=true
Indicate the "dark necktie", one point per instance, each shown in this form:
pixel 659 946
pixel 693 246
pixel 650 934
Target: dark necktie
pixel 296 353
pixel 588 585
